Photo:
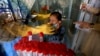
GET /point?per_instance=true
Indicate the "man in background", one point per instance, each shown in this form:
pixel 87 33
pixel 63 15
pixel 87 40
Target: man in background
pixel 90 42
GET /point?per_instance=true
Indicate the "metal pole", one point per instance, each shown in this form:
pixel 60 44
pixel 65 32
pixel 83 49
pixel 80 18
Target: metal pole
pixel 70 9
pixel 77 39
pixel 11 8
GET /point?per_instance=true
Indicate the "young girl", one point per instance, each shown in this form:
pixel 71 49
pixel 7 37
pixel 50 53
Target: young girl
pixel 55 19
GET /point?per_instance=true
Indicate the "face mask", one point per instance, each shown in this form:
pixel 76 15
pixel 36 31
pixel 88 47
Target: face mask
pixel 55 25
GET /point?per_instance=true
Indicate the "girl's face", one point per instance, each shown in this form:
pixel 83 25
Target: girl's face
pixel 54 20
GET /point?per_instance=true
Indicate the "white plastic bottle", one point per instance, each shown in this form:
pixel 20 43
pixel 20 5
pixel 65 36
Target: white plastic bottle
pixel 30 36
pixel 41 36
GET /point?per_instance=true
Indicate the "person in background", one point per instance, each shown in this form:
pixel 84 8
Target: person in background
pixel 95 11
pixel 89 42
pixel 55 20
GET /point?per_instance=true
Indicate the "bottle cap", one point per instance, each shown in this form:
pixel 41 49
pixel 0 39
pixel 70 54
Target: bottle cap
pixel 41 34
pixel 29 33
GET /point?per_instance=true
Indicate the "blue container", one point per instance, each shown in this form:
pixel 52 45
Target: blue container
pixel 9 47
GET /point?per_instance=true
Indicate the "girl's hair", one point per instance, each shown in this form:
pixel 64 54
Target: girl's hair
pixel 58 15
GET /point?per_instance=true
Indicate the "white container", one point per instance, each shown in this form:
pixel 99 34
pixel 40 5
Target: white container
pixel 30 38
pixel 41 39
pixel 40 54
pixel 34 53
pixel 24 53
pixel 29 53
pixel 18 52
